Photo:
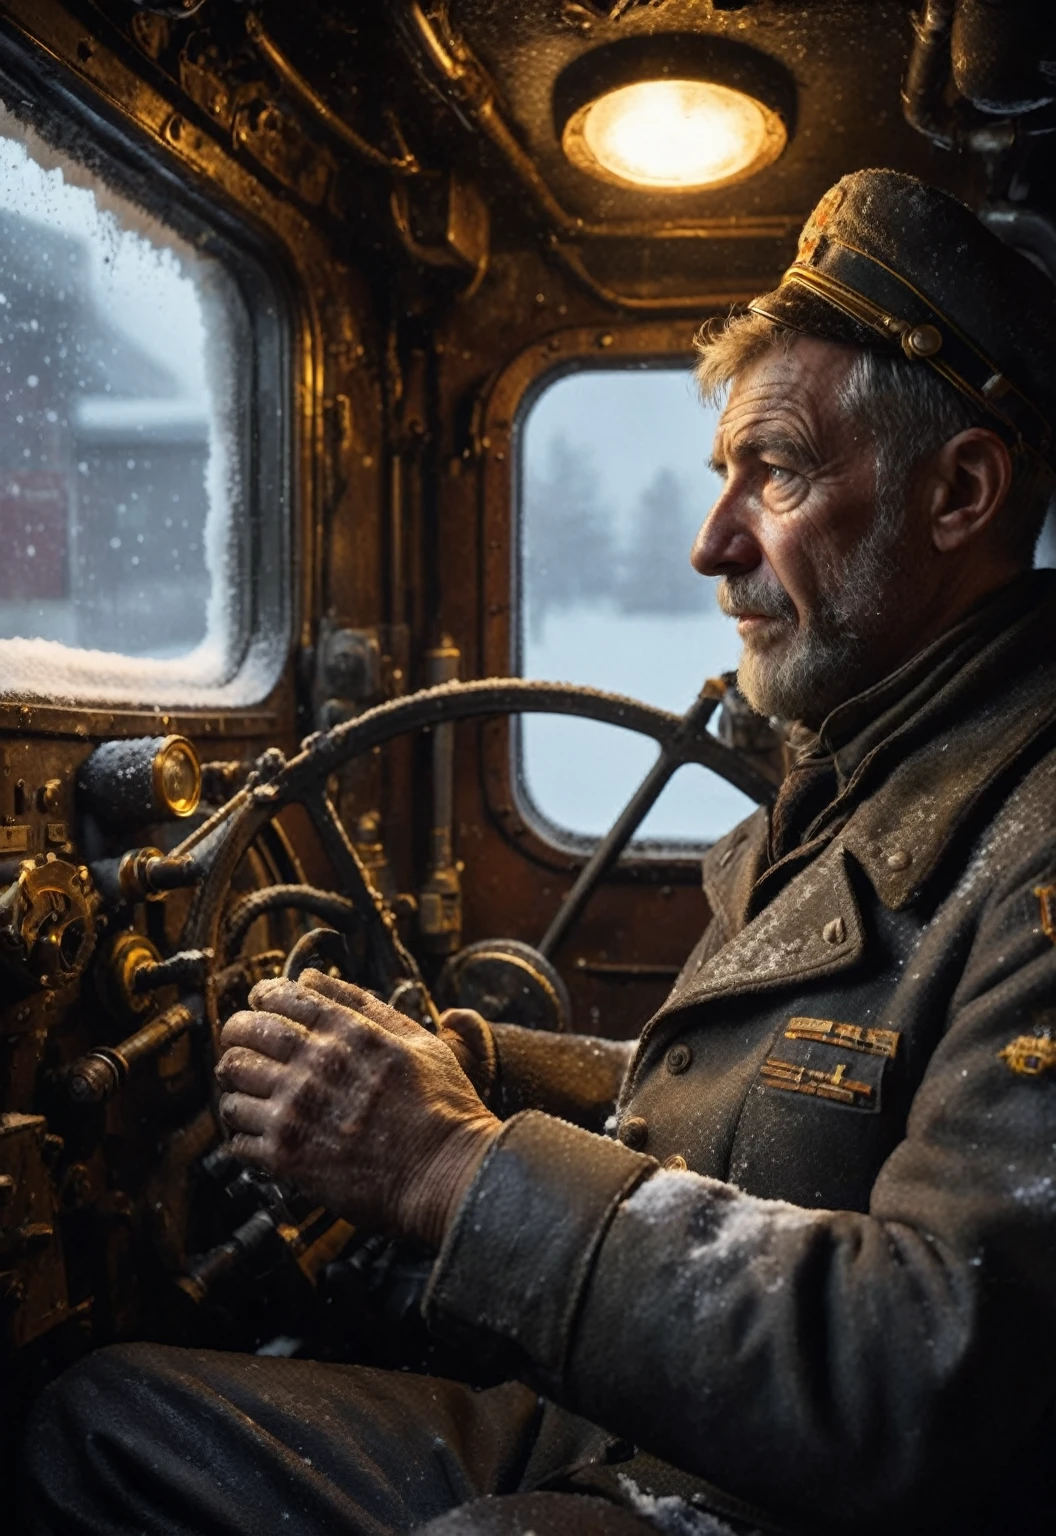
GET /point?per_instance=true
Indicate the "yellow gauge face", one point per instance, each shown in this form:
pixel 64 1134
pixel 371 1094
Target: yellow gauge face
pixel 674 135
pixel 177 777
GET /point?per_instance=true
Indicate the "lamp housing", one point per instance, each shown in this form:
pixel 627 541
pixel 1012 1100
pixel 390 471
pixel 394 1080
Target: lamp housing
pixel 673 112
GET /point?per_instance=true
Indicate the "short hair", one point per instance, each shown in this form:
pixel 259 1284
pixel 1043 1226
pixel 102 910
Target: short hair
pixel 909 409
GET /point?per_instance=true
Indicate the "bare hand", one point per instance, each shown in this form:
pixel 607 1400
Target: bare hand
pixel 358 1106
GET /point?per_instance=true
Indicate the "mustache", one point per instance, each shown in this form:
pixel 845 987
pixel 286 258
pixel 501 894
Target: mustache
pixel 753 593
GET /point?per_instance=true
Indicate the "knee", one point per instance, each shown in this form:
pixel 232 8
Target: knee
pixel 91 1398
pixel 86 1389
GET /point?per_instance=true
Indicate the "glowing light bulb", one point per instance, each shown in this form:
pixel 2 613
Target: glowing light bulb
pixel 673 135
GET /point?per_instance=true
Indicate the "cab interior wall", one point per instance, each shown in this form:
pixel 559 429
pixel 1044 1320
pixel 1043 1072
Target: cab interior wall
pixel 413 289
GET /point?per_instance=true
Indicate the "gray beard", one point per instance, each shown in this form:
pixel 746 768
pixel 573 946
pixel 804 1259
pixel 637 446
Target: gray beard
pixel 825 660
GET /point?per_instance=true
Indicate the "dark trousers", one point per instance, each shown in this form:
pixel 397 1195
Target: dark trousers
pixel 142 1440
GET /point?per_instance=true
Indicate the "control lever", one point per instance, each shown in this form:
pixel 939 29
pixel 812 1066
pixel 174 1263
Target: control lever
pixel 321 948
pixel 145 874
pixel 96 1077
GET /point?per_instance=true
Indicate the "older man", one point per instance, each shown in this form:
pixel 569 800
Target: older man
pixel 811 1282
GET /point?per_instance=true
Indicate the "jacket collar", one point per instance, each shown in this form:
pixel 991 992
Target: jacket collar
pixel 856 728
pixel 915 755
pixel 916 788
pixel 811 930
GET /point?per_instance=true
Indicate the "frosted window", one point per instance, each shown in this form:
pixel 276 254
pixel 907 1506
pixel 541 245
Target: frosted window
pixel 613 487
pixel 123 355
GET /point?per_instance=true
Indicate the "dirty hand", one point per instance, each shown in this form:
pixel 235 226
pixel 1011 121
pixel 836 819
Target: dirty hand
pixel 354 1103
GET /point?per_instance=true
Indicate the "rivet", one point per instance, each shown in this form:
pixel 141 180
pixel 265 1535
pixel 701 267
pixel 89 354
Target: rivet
pixel 922 341
pixel 634 1133
pixel 834 932
pixel 899 858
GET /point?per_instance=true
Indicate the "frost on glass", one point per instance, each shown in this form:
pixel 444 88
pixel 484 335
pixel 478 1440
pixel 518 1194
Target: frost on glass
pixel 120 500
pixel 614 484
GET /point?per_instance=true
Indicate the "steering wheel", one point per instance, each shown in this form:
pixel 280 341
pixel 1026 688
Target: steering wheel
pixel 214 850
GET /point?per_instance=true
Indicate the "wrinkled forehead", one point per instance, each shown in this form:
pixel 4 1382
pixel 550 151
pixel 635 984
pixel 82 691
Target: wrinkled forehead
pixel 793 392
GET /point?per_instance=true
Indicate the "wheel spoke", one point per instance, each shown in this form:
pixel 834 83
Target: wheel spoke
pixel 673 755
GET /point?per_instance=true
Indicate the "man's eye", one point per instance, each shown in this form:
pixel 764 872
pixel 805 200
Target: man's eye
pixel 777 472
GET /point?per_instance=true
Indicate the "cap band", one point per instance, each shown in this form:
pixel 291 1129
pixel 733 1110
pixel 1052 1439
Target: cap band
pixel 876 296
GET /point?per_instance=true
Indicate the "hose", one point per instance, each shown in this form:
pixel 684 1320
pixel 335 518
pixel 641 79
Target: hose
pixel 337 910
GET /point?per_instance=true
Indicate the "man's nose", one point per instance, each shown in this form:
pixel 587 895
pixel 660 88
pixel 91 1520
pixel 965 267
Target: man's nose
pixel 725 545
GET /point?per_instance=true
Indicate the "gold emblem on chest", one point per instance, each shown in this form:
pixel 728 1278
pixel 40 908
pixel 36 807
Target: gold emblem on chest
pixel 1030 1055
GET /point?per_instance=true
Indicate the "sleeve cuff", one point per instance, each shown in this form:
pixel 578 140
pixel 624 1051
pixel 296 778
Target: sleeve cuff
pixel 520 1250
pixel 574 1077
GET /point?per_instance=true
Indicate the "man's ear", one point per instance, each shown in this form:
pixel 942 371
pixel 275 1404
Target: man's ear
pixel 969 481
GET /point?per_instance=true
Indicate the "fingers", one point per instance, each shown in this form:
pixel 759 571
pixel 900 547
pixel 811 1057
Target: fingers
pixel 266 1033
pixel 307 1008
pixel 363 1004
pixel 243 1112
pixel 371 1007
pixel 343 992
pixel 272 994
pixel 251 1149
pixel 242 1071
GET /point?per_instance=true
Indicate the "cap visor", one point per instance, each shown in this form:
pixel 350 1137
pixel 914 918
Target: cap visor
pixel 803 310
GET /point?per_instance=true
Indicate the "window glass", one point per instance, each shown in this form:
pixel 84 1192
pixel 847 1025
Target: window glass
pixel 614 484
pixel 124 356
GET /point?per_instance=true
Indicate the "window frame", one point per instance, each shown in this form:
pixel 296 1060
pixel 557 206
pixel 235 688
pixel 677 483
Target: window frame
pixel 200 213
pixel 633 344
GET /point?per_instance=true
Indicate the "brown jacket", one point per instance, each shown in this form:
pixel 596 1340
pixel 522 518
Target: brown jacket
pixel 845 1311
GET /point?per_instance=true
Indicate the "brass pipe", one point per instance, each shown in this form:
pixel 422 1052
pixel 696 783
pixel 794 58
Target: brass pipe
pixel 440 899
pixel 927 73
pixel 297 85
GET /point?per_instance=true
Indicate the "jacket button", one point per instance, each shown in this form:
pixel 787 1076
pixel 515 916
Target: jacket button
pixel 899 858
pixel 679 1058
pixel 634 1133
pixel 676 1163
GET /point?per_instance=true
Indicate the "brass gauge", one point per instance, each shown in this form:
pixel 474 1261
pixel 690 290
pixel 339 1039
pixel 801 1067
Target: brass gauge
pixel 177 776
pixel 151 778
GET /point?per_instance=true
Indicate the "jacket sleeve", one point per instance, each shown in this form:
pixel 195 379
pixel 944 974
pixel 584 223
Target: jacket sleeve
pixel 574 1077
pixel 850 1369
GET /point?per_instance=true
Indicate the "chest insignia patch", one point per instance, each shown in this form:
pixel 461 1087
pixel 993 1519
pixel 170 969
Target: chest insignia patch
pixel 835 1085
pixel 1030 1055
pixel 1046 895
pixel 851 1037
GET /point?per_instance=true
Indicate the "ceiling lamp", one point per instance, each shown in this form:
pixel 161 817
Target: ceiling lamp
pixel 669 117
pixel 674 135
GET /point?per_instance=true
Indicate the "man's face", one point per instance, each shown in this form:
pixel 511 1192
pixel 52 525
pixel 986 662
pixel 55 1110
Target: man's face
pixel 810 567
